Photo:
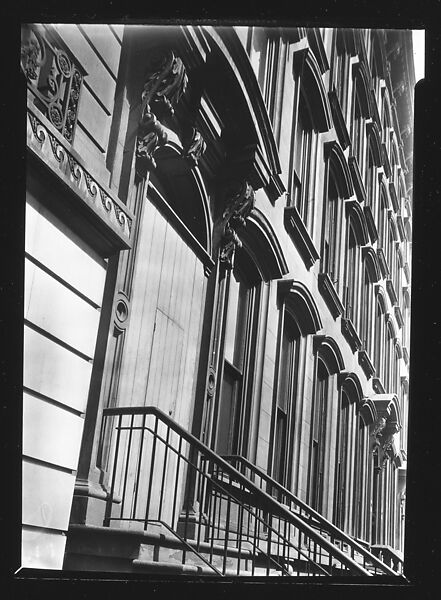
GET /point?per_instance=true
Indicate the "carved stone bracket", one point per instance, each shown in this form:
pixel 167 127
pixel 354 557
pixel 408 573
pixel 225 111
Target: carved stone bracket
pixel 240 201
pixel 195 148
pixel 165 83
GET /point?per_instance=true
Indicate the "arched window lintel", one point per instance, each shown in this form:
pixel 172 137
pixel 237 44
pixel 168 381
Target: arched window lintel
pixel 328 351
pixel 339 168
pixel 301 305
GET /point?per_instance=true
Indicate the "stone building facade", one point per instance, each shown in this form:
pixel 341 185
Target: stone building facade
pixel 218 251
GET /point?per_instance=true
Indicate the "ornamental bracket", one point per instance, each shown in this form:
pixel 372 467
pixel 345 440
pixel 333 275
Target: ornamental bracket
pixel 240 200
pixel 165 83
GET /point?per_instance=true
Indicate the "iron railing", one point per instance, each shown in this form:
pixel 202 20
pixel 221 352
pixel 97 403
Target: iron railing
pixel 160 472
pixel 336 536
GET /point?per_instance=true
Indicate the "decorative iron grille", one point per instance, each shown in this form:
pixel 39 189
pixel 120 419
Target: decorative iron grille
pixel 52 76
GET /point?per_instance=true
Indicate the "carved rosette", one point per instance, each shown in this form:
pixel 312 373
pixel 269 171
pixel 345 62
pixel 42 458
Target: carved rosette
pixel 165 83
pixel 240 200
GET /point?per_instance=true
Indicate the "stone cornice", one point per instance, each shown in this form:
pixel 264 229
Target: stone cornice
pixel 49 146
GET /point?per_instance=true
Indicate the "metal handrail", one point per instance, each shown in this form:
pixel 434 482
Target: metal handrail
pixel 215 482
pixel 268 500
pixel 185 543
pixel 329 527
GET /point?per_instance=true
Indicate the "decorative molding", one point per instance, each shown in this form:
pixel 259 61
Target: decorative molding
pixel 329 351
pixel 304 62
pixel 330 295
pixel 300 303
pixel 263 242
pixel 362 76
pixel 338 119
pixel 51 148
pixel 351 335
pixel 360 190
pixel 300 236
pixel 365 362
pixel 372 263
pixel 370 222
pixel 121 311
pixel 53 77
pixel 165 83
pixel 240 201
pixel 375 141
pixel 355 213
pixel 343 180
pixel 391 325
pixel 390 288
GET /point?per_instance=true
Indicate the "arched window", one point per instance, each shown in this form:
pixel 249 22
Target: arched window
pixel 367 294
pixel 361 478
pixel 356 236
pixel 318 442
pixel 303 162
pixel 379 334
pixel 243 287
pixel 344 421
pixel 329 361
pixel 360 112
pixel 311 115
pixel 351 277
pixel 286 400
pixel 340 70
pixel 338 186
pixel 298 319
pixel 382 219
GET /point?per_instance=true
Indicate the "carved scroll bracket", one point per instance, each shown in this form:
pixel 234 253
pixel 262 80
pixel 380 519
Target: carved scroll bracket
pixel 165 83
pixel 240 200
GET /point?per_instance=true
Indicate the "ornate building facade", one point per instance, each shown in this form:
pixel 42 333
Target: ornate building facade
pixel 218 251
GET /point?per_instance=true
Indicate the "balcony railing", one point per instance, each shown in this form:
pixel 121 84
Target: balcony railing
pixel 159 472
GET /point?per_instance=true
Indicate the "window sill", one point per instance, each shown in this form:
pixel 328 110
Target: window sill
pixel 399 317
pixel 378 386
pixel 383 264
pixel 393 196
pixel 401 230
pixel 350 334
pixel 366 364
pixel 330 295
pixel 300 236
pixel 391 292
pixel 405 354
pixel 339 120
pixel 357 180
pixel 370 221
